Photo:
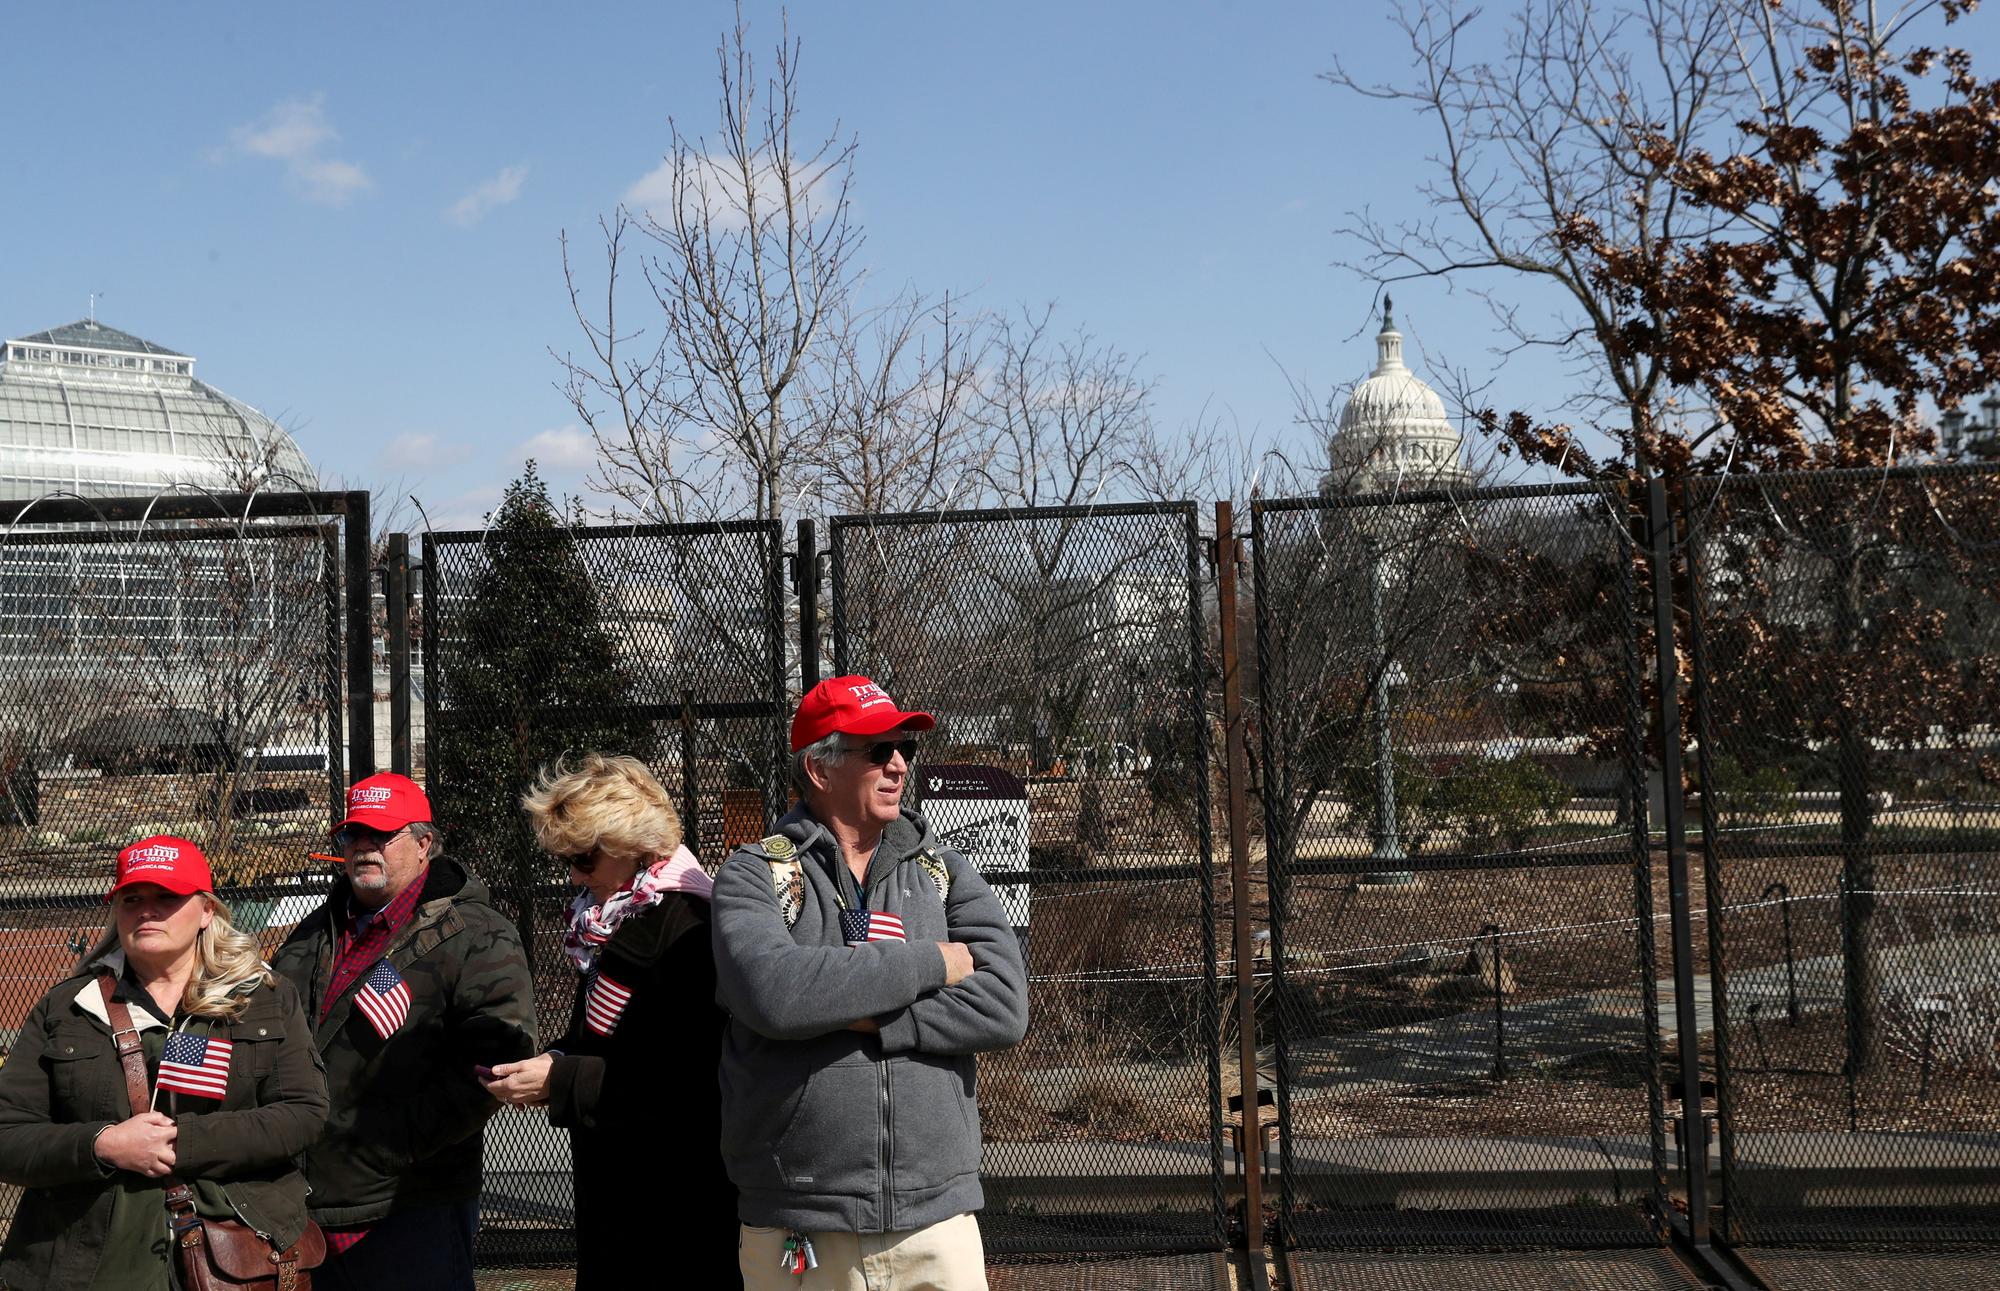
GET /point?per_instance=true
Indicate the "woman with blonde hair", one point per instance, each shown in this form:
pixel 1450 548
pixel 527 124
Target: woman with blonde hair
pixel 634 1080
pixel 167 1086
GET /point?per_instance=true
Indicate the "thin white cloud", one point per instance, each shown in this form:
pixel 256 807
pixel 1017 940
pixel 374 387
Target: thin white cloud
pixel 498 191
pixel 331 183
pixel 467 510
pixel 297 134
pixel 655 189
pixel 715 183
pixel 565 448
pixel 293 131
pixel 422 451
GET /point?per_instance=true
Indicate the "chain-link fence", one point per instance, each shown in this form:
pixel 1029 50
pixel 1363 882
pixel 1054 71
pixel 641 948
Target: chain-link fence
pixel 1464 982
pixel 542 640
pixel 1466 955
pixel 167 665
pixel 1064 653
pixel 1846 651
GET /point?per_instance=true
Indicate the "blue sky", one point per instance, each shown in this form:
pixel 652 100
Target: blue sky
pixel 349 213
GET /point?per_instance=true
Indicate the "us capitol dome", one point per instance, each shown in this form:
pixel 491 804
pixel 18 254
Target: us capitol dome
pixel 1394 433
pixel 87 409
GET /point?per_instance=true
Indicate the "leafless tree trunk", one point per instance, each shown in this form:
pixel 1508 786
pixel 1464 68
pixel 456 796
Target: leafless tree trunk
pixel 749 261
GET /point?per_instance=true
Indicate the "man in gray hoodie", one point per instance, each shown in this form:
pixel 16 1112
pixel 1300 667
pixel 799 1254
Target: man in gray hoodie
pixel 863 965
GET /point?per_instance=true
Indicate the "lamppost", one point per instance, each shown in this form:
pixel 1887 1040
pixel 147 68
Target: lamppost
pixel 1388 672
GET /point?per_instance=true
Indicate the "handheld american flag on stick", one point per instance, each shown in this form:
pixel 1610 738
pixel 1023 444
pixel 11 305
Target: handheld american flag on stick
pixel 857 926
pixel 192 1064
pixel 384 999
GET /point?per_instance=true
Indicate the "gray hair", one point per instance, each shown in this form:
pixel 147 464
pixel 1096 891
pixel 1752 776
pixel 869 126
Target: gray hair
pixel 422 829
pixel 829 751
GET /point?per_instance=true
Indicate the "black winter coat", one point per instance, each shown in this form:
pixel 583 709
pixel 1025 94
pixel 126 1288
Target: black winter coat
pixel 63 1083
pixel 642 1108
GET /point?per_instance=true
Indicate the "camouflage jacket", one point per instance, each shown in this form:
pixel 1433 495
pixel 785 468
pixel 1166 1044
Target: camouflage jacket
pixel 407 1116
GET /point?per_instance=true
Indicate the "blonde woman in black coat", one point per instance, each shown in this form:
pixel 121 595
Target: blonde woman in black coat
pixel 634 1078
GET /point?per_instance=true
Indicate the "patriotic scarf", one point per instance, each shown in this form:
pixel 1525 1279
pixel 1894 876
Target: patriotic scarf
pixel 591 925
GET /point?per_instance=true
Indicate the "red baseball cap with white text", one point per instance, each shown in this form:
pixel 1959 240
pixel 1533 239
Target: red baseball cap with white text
pixel 387 802
pixel 173 863
pixel 852 706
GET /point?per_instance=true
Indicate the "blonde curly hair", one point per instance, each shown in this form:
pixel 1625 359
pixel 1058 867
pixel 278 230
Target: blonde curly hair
pixel 610 804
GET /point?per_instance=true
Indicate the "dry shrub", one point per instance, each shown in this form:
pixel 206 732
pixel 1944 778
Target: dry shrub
pixel 1105 1106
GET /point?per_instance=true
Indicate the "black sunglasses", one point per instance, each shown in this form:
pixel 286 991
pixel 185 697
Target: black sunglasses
pixel 879 753
pixel 581 862
pixel 354 835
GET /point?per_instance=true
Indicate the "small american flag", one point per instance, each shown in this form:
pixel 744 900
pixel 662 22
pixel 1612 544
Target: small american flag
pixel 198 1065
pixel 605 1004
pixel 857 926
pixel 384 998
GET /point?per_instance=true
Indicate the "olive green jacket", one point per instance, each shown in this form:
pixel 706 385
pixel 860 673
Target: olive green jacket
pixel 63 1083
pixel 407 1116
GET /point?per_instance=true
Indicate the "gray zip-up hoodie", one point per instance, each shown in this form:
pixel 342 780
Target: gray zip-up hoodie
pixel 824 1128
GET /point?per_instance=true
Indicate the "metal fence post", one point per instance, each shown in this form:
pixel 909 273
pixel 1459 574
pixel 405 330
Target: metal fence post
pixel 805 581
pixel 360 639
pixel 336 762
pixel 1712 865
pixel 1694 1122
pixel 433 607
pixel 1250 1148
pixel 690 781
pixel 396 590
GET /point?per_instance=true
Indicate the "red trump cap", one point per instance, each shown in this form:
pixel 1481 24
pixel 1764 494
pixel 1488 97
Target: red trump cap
pixel 386 802
pixel 852 706
pixel 173 863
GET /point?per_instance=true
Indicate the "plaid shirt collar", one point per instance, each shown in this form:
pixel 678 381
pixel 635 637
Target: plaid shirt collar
pixel 362 922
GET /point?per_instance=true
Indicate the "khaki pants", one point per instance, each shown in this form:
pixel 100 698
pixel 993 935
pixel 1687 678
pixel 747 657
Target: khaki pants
pixel 947 1256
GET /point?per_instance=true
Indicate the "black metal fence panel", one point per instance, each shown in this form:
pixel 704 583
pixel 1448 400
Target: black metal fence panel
pixel 1464 987
pixel 178 675
pixel 665 642
pixel 1466 969
pixel 1846 642
pixel 1066 651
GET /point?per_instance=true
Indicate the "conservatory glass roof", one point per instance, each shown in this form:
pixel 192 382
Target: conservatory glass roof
pixel 91 410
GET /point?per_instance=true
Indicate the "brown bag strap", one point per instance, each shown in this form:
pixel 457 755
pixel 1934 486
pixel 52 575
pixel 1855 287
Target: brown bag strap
pixel 131 1049
pixel 138 1090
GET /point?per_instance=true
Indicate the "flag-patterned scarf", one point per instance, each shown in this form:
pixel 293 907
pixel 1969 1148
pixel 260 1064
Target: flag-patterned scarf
pixel 591 924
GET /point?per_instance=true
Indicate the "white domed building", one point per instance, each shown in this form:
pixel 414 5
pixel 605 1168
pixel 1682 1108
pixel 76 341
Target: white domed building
pixel 125 643
pixel 1393 433
pixel 87 409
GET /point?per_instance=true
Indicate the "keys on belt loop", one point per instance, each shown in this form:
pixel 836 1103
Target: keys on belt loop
pixel 797 1257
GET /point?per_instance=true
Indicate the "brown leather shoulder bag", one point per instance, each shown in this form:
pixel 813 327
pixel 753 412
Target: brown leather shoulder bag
pixel 216 1254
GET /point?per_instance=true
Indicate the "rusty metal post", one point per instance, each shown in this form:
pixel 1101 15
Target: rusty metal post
pixel 1694 1119
pixel 1228 552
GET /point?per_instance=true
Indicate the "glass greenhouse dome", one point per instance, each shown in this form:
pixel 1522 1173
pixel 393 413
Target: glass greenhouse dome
pixel 144 645
pixel 87 409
